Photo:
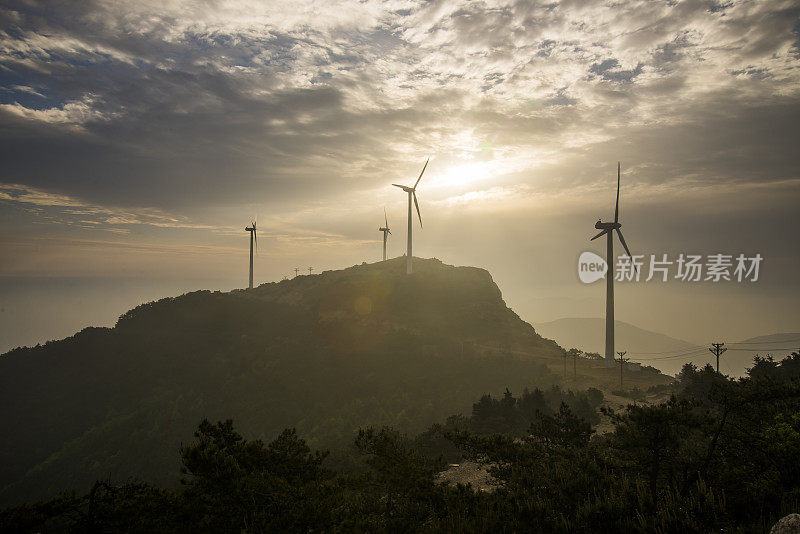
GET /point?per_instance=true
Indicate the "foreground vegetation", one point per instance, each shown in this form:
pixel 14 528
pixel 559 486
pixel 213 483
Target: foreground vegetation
pixel 719 455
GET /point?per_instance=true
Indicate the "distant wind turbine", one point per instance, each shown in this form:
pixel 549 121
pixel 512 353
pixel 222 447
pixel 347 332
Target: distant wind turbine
pixel 412 191
pixel 385 231
pixel 253 238
pixel 607 229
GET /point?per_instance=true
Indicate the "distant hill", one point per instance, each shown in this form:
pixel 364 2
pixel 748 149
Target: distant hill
pixel 665 353
pixel 589 334
pixel 326 354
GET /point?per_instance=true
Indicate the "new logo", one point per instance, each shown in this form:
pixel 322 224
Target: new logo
pixel 591 267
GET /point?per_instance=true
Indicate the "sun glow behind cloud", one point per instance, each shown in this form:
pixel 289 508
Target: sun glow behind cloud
pixel 464 175
pixel 494 198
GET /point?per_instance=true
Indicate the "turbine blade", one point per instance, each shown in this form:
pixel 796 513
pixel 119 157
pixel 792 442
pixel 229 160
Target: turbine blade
pixel 255 238
pixel 400 186
pixel 598 235
pixel 385 220
pixel 423 170
pixel 616 209
pixel 624 244
pixel 418 213
pixel 389 231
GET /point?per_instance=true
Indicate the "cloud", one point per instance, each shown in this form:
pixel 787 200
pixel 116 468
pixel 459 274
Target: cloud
pixel 72 115
pixel 610 70
pixel 184 108
pixel 69 209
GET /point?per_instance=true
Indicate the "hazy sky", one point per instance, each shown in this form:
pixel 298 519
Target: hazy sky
pixel 139 138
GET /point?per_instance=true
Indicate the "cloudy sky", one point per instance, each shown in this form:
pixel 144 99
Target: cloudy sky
pixel 138 139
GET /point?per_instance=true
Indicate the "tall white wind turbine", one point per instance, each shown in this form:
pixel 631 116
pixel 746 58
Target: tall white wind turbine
pixel 412 191
pixel 253 237
pixel 385 231
pixel 607 229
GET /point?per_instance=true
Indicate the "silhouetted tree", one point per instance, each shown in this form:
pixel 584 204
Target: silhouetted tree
pixel 236 485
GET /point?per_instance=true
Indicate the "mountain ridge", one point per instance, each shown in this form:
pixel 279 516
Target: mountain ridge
pixel 325 353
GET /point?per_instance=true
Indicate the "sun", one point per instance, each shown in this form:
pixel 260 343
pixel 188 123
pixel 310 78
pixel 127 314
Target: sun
pixel 465 174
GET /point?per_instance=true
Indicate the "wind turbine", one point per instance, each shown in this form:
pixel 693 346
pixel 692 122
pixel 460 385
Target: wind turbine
pixel 253 237
pixel 607 229
pixel 412 191
pixel 385 231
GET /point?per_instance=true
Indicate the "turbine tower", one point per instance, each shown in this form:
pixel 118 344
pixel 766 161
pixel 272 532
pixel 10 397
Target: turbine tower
pixel 607 229
pixel 385 231
pixel 253 237
pixel 412 191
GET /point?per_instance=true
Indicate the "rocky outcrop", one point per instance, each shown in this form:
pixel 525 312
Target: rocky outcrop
pixel 789 524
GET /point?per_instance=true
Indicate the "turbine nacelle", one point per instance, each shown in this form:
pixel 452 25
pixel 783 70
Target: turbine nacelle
pixel 607 225
pixel 405 188
pixel 253 231
pixel 386 232
pixel 385 228
pixel 412 193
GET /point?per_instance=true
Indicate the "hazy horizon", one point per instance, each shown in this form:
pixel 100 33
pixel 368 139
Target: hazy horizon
pixel 37 310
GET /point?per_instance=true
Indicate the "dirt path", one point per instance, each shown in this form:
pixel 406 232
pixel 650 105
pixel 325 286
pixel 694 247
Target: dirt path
pixel 469 472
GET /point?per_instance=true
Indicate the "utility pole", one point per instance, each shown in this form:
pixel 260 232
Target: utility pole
pixel 717 351
pixel 574 353
pixel 296 270
pixel 575 365
pixel 310 269
pixel 621 365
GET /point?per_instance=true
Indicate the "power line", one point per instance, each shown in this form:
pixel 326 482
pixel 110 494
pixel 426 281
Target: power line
pixel 700 351
pixel 689 354
pixel 664 351
pixel 728 367
pixel 762 342
pixel 766 348
pixel 681 356
pixel 737 343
